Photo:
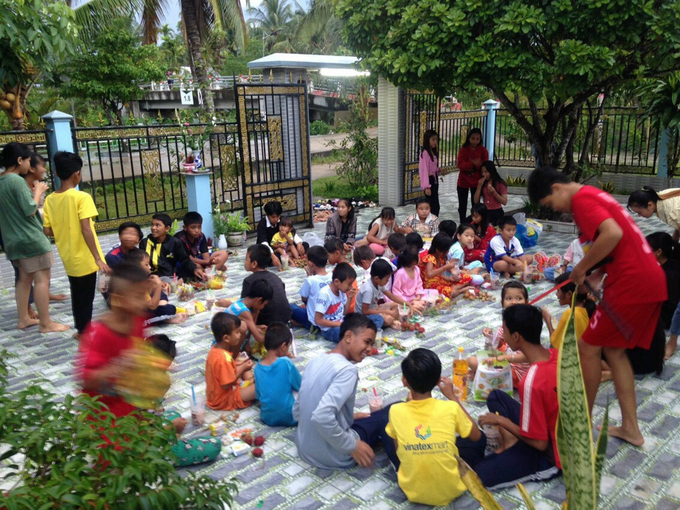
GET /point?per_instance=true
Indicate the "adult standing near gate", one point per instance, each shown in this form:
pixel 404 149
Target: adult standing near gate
pixel 428 168
pixel 470 158
pixel 666 205
pixel 25 243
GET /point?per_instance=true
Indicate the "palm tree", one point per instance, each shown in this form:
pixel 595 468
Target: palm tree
pixel 272 18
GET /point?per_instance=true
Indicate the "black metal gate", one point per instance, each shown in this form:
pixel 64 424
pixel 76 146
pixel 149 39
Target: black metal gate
pixel 427 111
pixel 274 149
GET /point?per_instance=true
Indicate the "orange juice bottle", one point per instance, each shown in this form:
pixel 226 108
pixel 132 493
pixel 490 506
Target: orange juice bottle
pixel 460 373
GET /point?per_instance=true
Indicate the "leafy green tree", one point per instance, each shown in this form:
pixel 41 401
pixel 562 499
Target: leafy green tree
pixel 34 34
pixel 556 53
pixel 271 19
pixel 173 48
pixel 111 67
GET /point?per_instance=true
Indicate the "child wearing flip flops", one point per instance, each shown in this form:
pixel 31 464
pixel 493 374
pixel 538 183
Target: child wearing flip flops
pixel 572 257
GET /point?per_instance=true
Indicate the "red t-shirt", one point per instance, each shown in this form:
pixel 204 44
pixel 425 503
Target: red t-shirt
pixel 98 346
pixel 540 404
pixel 633 274
pixel 490 201
pixel 468 175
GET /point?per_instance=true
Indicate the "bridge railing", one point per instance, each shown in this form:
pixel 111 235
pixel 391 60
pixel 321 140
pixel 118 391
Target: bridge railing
pixel 219 83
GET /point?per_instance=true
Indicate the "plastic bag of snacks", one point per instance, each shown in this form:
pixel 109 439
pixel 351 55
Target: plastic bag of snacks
pixel 491 377
pixel 145 380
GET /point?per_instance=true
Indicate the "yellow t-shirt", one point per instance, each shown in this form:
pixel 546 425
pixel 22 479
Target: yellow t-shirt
pixel 581 325
pixel 63 212
pixel 279 239
pixel 425 431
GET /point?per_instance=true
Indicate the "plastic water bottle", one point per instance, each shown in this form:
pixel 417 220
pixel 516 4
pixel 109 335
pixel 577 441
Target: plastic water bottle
pixel 460 373
pixel 493 441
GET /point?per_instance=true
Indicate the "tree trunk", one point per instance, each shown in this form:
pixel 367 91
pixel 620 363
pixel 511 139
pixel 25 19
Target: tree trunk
pixel 194 43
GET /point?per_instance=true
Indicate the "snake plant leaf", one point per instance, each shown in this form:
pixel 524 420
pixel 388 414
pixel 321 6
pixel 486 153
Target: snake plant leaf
pixel 526 497
pixel 476 487
pixel 576 444
pixel 601 448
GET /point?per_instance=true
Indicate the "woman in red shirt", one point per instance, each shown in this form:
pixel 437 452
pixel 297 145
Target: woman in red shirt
pixel 492 190
pixel 470 158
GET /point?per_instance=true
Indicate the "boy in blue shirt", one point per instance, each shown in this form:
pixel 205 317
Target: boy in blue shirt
pixel 277 378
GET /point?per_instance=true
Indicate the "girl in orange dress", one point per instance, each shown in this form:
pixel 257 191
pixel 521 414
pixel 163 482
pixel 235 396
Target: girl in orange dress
pixel 436 271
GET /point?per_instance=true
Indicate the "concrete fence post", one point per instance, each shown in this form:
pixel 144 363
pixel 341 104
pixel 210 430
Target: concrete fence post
pixel 662 162
pixel 199 199
pixel 391 142
pixel 59 137
pixel 491 106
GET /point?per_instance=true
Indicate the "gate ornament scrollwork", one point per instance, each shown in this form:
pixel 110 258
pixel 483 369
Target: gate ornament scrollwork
pixel 229 166
pixel 153 180
pixel 275 136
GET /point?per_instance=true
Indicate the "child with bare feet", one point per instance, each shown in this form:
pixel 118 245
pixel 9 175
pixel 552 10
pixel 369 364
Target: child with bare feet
pixel 223 376
pixel 527 428
pixel 505 253
pixel 25 243
pixel 283 242
pixel 628 313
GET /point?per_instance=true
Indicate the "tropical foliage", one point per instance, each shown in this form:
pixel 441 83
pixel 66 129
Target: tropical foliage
pixel 58 458
pixel 555 54
pixel 111 67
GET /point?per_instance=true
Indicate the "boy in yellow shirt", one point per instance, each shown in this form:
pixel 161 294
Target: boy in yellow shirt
pixel 68 217
pixel 424 432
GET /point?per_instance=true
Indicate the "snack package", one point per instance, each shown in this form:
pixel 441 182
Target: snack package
pixel 489 378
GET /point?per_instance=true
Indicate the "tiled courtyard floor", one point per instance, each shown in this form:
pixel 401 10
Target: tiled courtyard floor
pixel 634 478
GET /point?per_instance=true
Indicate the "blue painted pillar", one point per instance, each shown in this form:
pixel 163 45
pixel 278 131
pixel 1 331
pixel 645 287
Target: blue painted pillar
pixel 199 200
pixel 59 136
pixel 490 106
pixel 662 163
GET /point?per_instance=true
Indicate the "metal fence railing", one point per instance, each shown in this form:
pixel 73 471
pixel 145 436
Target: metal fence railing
pixel 624 141
pixel 37 140
pixel 133 172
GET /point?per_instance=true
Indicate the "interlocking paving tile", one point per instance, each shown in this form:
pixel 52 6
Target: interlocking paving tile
pixel 629 472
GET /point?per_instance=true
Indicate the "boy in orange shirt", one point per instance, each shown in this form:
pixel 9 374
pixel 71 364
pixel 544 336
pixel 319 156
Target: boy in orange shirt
pixel 222 374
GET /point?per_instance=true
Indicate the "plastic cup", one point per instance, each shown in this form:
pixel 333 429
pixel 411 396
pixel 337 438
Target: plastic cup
pixel 197 410
pixel 375 400
pixel 493 282
pixel 379 339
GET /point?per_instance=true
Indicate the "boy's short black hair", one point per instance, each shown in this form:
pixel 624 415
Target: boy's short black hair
pixel 127 272
pixel 164 344
pixel 362 253
pixel 260 289
pixel 224 324
pixel 343 271
pixel 165 219
pixel 136 255
pixel 541 181
pixel 526 320
pixel 422 370
pixel 396 242
pixel 130 224
pixel 414 239
pixel 286 222
pixel 273 207
pixel 260 254
pixel 193 218
pixel 506 220
pixel 448 227
pixel 514 284
pixel 381 268
pixel 423 200
pixel 334 244
pixel 66 164
pixel 355 322
pixel 277 334
pixel 318 256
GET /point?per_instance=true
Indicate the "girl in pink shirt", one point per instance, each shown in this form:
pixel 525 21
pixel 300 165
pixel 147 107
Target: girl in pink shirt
pixel 428 168
pixel 493 190
pixel 407 283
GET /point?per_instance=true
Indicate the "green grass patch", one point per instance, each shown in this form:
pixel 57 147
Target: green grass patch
pixel 336 156
pixel 332 187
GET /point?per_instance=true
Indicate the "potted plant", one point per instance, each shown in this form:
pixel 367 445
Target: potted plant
pixel 229 228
